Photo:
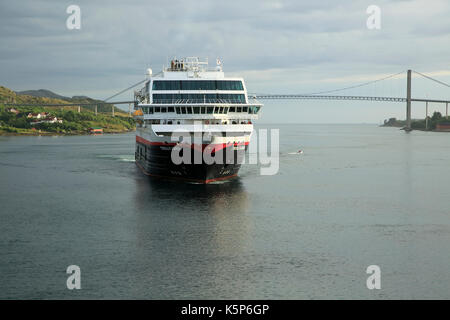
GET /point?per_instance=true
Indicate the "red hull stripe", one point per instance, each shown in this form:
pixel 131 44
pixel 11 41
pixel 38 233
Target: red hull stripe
pixel 150 143
pixel 211 147
pixel 185 179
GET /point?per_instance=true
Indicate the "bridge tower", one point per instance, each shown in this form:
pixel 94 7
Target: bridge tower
pixel 408 102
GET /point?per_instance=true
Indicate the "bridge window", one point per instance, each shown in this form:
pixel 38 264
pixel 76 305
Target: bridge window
pixel 163 109
pixel 196 110
pixel 198 85
pixel 233 98
pixel 199 98
pixel 229 85
pixel 157 109
pixel 170 109
pixel 232 109
pixel 203 110
pixel 166 85
pixel 210 110
pixel 253 109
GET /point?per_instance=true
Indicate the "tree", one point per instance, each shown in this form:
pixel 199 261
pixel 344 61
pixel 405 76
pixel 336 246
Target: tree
pixel 69 116
pixel 436 116
pixel 20 123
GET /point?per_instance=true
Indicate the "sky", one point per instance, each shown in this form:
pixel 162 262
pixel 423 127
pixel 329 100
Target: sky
pixel 277 46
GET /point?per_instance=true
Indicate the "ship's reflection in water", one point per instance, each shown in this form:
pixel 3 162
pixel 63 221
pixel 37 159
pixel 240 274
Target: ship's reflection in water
pixel 189 236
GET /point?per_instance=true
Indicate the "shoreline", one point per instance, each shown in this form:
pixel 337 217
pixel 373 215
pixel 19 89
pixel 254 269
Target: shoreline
pixel 403 128
pixel 38 134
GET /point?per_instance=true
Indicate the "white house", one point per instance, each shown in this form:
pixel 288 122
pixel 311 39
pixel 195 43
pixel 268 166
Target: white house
pixel 49 119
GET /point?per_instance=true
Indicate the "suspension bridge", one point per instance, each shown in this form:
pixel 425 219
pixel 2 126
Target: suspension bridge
pixel 323 95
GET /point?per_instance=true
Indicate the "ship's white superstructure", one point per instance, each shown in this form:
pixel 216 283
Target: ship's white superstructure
pixel 188 97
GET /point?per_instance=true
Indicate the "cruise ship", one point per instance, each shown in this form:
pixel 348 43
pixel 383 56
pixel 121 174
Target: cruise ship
pixel 192 122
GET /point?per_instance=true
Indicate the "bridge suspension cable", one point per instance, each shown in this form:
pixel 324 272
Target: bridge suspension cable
pixel 357 85
pixel 124 90
pixel 334 90
pixel 432 79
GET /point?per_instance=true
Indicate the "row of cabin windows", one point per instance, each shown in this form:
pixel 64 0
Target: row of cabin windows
pixel 199 98
pixel 201 110
pixel 197 85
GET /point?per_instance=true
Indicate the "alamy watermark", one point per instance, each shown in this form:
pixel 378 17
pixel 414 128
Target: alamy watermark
pixel 230 148
pixel 374 19
pixel 374 280
pixel 74 280
pixel 74 20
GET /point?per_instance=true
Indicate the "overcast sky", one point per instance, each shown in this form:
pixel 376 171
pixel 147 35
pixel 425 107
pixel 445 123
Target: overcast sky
pixel 277 46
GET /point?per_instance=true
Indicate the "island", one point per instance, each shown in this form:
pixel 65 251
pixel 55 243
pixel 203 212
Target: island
pixel 61 120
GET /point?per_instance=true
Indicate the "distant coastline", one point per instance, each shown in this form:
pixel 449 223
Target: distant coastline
pixel 434 123
pixel 4 133
pixel 62 120
pixel 393 122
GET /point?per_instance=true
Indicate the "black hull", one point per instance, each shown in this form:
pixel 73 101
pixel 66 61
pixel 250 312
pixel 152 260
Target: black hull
pixel 155 160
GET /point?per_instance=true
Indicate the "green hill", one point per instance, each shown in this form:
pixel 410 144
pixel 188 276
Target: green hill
pixel 43 96
pixel 42 93
pixel 9 96
pixel 73 122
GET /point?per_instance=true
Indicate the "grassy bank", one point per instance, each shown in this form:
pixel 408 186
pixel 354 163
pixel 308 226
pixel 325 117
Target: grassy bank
pixel 18 121
pixel 72 122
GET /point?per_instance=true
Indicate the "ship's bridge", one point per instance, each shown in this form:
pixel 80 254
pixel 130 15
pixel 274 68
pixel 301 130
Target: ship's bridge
pixel 187 90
